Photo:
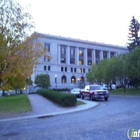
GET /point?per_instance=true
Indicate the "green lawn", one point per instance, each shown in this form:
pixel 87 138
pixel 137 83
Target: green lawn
pixel 129 91
pixel 14 105
pixel 80 102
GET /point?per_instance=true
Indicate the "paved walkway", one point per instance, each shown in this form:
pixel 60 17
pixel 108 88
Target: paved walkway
pixel 42 107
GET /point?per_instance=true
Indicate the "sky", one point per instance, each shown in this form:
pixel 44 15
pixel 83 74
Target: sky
pixel 104 21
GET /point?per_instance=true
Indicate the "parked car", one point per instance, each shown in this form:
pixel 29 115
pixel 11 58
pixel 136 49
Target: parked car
pixel 113 86
pixel 94 92
pixel 75 91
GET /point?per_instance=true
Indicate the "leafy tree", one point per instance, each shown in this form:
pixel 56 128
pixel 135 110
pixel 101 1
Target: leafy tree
pixel 109 71
pixel 133 34
pixel 95 75
pixel 90 75
pixel 42 81
pixel 101 72
pixel 18 52
pixel 133 66
pixel 15 83
pixel 105 72
pixel 29 81
pixel 119 68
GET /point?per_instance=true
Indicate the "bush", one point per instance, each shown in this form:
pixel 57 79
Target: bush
pixel 63 99
pixel 61 89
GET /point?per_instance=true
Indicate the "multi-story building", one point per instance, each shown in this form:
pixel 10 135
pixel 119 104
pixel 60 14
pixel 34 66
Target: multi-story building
pixel 71 59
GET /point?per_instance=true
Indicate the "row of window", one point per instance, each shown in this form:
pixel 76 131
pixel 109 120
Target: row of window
pixel 64 69
pixel 81 51
pixel 81 54
pixel 47 68
pixel 81 70
pixel 73 79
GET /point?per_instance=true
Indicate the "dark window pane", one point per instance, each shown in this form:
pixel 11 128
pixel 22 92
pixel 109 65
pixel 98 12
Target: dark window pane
pixel 61 68
pixel 49 68
pixel 44 67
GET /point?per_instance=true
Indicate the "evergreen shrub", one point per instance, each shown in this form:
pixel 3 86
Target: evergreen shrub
pixel 63 99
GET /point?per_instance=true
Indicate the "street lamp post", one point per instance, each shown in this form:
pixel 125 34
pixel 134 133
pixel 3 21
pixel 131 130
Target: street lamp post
pixel 56 81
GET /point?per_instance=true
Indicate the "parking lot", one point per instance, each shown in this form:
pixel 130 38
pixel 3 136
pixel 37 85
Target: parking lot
pixel 109 121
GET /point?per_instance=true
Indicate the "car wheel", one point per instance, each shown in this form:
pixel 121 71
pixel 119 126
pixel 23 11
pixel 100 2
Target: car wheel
pixel 91 97
pixel 106 99
pixel 82 96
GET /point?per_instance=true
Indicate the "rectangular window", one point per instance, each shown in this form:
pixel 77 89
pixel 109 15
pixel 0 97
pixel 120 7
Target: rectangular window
pixel 89 53
pixel 44 58
pixel 104 54
pixel 47 47
pixel 83 70
pixel 97 55
pixel 81 52
pixel 81 56
pixel 65 69
pixel 71 69
pixel 44 67
pixel 81 62
pixel 112 54
pixel 74 69
pixel 72 51
pixel 88 69
pixel 63 50
pixel 63 60
pixel 61 68
pixel 72 61
pixel 80 70
pixel 89 62
pixel 62 53
pixel 72 55
pixel 49 68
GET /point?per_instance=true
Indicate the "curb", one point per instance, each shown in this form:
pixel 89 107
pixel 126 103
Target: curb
pixel 86 106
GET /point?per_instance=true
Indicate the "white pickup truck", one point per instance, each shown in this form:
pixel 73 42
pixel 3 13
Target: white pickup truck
pixel 94 92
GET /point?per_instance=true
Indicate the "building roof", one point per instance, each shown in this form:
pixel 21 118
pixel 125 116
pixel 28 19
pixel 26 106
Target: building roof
pixel 79 41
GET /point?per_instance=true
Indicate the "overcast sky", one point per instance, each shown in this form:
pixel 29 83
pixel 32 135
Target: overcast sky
pixel 104 21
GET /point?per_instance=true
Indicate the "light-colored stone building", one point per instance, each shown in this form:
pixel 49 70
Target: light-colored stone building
pixel 71 59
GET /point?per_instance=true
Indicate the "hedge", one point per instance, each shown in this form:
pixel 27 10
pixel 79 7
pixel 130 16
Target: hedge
pixel 63 99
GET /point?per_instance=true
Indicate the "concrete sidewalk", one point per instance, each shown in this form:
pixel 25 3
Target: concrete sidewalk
pixel 42 107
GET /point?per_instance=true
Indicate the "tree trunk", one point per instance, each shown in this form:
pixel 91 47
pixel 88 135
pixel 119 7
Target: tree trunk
pixel 124 89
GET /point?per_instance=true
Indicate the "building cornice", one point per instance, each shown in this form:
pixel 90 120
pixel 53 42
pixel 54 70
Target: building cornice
pixel 48 36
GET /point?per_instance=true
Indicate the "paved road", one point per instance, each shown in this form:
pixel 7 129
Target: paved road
pixel 109 121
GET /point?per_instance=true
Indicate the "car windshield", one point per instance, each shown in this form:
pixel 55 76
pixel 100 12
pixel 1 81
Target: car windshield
pixel 96 88
pixel 76 90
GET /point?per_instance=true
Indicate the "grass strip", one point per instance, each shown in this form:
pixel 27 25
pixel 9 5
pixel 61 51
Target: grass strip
pixel 14 105
pixel 129 91
pixel 80 103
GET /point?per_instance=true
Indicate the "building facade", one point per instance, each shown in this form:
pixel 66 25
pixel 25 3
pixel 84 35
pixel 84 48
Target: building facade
pixel 71 59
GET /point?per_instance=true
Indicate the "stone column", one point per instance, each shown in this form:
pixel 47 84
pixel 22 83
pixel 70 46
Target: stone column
pixel 58 53
pixel 68 55
pixel 85 56
pixel 101 55
pixel 108 55
pixel 93 57
pixel 77 56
